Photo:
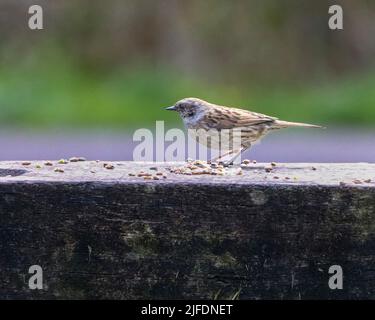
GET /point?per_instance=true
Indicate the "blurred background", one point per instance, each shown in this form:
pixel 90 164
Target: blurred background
pixel 101 69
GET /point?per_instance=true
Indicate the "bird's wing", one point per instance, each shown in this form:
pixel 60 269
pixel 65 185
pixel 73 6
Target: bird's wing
pixel 228 118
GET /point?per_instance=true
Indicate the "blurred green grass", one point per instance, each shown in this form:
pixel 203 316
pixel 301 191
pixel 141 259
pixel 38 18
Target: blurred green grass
pixel 55 92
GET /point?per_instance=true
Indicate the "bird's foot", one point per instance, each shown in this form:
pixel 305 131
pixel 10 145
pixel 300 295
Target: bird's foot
pixel 226 164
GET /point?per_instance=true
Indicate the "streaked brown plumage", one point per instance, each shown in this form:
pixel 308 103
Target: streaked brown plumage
pixel 204 117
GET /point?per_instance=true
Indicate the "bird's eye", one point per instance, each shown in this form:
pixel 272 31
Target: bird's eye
pixel 191 113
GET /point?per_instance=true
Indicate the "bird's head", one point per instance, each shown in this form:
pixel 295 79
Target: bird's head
pixel 189 108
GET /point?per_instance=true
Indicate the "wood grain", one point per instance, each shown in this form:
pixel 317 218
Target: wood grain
pixel 100 233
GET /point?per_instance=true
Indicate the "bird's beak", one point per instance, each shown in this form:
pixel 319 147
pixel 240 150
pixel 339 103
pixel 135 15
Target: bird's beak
pixel 172 108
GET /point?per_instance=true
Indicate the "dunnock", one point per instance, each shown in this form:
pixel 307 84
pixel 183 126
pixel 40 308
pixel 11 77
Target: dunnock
pixel 203 119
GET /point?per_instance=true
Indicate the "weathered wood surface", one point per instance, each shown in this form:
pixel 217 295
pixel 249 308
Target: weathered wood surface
pixel 100 233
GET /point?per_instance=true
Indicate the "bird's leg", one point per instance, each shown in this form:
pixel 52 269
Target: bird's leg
pixel 221 156
pixel 231 152
pixel 238 153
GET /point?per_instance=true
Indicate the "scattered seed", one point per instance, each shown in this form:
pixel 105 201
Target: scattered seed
pixel 198 162
pixel 246 161
pixel 198 167
pixel 268 169
pixel 48 163
pixel 159 173
pixel 62 161
pixel 154 168
pixel 357 181
pixel 196 173
pixel 59 170
pixel 26 163
pixel 155 178
pixel 368 181
pixel 287 178
pixel 254 161
pixel 276 177
pixel 38 166
pixel 273 164
pixel 109 166
pixel 147 177
pixel 131 174
pixel 313 168
pixel 144 174
pixel 77 159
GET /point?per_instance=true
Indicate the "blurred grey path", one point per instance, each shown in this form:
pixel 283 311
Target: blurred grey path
pixel 342 145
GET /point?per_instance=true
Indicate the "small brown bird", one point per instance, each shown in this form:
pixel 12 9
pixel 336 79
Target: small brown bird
pixel 203 119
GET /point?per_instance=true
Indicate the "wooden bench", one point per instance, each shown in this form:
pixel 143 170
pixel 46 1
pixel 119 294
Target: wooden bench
pixel 260 232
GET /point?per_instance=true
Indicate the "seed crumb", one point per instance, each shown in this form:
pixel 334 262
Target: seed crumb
pixel 77 159
pixel 144 174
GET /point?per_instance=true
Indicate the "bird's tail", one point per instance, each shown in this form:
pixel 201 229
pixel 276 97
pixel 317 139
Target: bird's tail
pixel 279 124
